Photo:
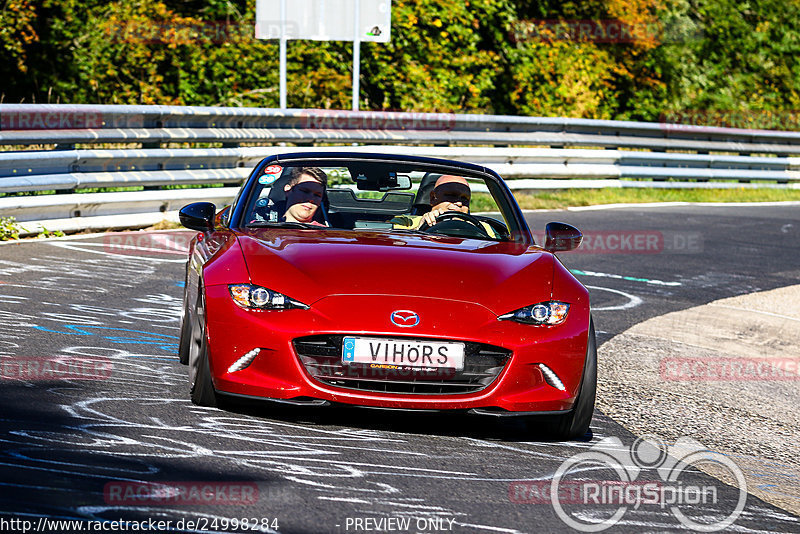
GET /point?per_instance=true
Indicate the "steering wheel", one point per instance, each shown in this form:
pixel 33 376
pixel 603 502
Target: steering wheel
pixel 473 222
pixel 498 227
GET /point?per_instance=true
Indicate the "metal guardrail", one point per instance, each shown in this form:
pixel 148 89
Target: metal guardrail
pixel 510 145
pixel 25 124
pixel 74 169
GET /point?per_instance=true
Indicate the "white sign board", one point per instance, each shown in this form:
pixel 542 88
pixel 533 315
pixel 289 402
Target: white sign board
pixel 325 20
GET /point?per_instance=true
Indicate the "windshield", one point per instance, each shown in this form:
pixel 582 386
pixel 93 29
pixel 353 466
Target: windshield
pixel 379 196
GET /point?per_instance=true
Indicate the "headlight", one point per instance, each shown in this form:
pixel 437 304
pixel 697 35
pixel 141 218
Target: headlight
pixel 252 297
pixel 544 313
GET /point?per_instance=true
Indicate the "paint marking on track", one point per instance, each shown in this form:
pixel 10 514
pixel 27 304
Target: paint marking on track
pixel 353 500
pixel 633 300
pixel 80 248
pixel 643 205
pixel 487 527
pixel 579 272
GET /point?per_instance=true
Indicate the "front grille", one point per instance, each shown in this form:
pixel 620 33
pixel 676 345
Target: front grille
pixel 322 358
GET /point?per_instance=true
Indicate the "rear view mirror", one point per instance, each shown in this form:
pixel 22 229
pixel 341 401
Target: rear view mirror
pixel 560 237
pixel 382 182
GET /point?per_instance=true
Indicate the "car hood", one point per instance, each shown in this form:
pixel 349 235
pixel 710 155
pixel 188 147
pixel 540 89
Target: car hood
pixel 308 265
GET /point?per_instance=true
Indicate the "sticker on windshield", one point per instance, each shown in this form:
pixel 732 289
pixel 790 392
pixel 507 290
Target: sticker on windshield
pixel 267 179
pixel 273 169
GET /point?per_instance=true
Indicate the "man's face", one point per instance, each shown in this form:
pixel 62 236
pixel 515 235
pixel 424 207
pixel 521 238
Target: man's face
pixel 451 196
pixel 303 199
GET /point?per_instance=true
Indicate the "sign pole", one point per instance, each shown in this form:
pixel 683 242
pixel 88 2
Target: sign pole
pixel 311 19
pixel 283 56
pixel 356 54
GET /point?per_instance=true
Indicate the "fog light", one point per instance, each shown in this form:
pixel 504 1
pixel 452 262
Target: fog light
pixel 244 361
pixel 551 378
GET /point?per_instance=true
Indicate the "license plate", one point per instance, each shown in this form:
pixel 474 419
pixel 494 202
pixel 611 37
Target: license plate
pixel 403 353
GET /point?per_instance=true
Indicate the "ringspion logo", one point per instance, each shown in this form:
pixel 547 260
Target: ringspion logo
pixel 589 503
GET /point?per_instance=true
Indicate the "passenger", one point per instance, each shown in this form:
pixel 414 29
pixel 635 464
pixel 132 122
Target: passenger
pixel 304 194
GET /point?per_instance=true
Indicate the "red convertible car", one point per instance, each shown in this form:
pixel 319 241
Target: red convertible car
pixel 386 281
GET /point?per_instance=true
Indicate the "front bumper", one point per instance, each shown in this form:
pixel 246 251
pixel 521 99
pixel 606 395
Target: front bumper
pixel 277 372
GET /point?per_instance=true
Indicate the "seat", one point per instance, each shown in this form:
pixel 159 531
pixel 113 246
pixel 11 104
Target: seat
pixel 422 202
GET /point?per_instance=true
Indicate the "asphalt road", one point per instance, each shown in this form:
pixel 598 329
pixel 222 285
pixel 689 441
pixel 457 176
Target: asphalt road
pixel 80 446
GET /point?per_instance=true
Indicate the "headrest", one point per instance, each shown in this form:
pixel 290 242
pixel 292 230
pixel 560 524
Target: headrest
pixel 422 202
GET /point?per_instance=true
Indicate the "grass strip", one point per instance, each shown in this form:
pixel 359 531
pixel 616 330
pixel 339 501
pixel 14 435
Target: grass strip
pixel 565 198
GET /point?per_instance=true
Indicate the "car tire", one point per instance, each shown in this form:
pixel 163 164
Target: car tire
pixel 202 391
pixel 186 335
pixel 201 387
pixel 185 339
pixel 575 424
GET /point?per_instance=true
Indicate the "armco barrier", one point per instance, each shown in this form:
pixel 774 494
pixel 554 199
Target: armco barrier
pixel 50 148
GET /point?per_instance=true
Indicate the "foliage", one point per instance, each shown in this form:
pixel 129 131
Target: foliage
pixel 727 62
pixel 443 57
pixel 17 31
pixel 45 233
pixel 9 229
pixel 165 224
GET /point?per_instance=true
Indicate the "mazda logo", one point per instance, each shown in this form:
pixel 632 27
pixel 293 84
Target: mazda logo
pixel 405 318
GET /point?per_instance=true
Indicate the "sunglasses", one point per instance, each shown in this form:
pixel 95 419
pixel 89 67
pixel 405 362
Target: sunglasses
pixel 452 192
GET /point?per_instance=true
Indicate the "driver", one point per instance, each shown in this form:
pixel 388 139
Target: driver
pixel 450 193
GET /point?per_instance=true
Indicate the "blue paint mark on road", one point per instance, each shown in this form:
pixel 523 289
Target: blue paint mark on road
pixel 125 336
pixel 180 284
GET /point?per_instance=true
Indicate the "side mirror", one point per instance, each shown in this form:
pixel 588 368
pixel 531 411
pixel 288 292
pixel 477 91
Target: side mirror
pixel 560 237
pixel 198 216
